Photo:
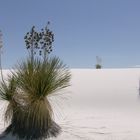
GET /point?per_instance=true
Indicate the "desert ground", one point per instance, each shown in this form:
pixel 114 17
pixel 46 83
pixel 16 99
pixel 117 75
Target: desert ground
pixel 99 105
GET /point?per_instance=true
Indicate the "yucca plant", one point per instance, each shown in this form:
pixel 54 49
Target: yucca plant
pixel 8 93
pixel 27 92
pixel 28 87
pixel 98 66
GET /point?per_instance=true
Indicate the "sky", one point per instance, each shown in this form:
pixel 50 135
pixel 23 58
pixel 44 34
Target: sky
pixel 83 29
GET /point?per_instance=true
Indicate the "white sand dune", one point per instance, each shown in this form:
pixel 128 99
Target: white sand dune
pixel 99 105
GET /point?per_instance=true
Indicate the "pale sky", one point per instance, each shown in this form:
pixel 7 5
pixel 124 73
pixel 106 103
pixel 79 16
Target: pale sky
pixel 83 29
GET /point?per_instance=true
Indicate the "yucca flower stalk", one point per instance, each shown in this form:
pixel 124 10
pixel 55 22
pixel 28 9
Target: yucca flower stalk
pixel 32 83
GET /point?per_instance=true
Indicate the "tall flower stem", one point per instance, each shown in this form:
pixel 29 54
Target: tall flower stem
pixel 1 57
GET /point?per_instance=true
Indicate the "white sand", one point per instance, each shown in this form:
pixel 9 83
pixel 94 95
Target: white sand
pixel 99 105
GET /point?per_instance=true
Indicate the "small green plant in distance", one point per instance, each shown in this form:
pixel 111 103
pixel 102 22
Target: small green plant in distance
pixel 98 66
pixel 27 89
pixel 98 63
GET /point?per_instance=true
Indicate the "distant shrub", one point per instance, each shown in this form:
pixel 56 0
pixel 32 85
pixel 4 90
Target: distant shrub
pixel 98 66
pixel 98 62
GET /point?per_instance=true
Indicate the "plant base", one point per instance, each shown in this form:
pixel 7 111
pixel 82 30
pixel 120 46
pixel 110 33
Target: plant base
pixel 34 134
